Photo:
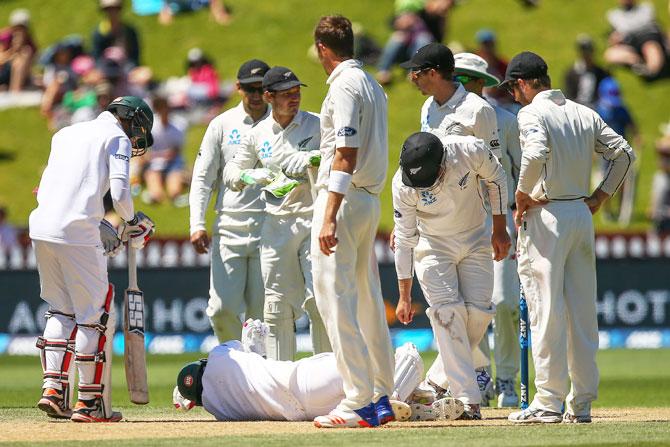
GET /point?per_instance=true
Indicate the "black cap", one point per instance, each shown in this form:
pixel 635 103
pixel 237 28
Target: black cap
pixel 525 65
pixel 280 78
pixel 421 159
pixel 433 55
pixel 252 71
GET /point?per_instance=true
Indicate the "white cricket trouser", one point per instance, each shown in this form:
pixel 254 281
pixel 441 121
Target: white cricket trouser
pixel 558 273
pixel 506 320
pixel 236 284
pixel 287 277
pixel 456 277
pixel 73 281
pixel 348 296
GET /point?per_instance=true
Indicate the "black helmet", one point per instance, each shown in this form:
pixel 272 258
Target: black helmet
pixel 141 118
pixel 189 381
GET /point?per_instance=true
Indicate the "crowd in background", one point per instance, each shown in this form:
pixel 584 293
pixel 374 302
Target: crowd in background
pixel 77 78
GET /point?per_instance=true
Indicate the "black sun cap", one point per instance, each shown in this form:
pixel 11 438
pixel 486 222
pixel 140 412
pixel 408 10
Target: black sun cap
pixel 433 55
pixel 421 160
pixel 525 65
pixel 189 381
pixel 280 78
pixel 252 71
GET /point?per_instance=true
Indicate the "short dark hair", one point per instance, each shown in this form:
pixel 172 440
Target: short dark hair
pixel 335 33
pixel 447 73
pixel 541 82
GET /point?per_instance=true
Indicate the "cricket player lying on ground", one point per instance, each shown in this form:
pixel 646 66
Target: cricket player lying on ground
pixel 237 383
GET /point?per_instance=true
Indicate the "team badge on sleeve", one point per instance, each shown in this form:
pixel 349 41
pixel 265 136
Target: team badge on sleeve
pixel 397 214
pixel 346 132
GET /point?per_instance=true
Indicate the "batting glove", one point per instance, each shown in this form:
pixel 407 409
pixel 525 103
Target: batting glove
pixel 138 231
pixel 110 239
pixel 180 402
pixel 259 176
pixel 254 335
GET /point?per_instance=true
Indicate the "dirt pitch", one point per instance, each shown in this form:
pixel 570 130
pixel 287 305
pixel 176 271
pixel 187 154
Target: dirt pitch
pixel 169 425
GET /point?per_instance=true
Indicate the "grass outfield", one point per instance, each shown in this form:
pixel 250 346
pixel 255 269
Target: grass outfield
pixel 280 32
pixel 633 409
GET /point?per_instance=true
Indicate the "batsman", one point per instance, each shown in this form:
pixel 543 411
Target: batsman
pixel 71 239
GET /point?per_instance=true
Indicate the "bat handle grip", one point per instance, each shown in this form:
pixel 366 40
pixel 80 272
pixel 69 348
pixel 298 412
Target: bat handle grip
pixel 132 268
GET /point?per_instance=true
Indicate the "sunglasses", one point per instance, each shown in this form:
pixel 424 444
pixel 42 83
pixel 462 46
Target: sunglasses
pixel 464 79
pixel 509 87
pixel 419 71
pixel 250 89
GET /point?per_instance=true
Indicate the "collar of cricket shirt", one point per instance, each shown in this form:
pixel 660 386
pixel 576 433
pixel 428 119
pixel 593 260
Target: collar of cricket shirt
pixel 296 122
pixel 456 99
pixel 556 96
pixel 349 63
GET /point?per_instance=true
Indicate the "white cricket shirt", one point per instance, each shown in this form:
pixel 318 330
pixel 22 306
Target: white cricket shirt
pixel 243 386
pixel 510 148
pixel 465 113
pixel 454 207
pixel 269 144
pixel 83 158
pixel 354 114
pixel 223 137
pixel 558 138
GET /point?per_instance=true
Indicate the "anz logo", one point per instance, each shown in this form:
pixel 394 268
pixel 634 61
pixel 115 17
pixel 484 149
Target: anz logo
pixel 266 150
pixel 235 137
pixel 427 197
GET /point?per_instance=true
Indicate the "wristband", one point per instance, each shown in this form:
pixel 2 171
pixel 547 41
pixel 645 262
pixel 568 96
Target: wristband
pixel 339 182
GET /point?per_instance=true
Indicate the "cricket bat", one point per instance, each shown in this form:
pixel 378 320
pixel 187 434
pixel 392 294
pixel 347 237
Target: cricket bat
pixel 524 335
pixel 133 332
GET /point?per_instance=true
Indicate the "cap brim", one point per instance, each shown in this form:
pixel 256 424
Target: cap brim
pixel 491 81
pixel 251 80
pixel 285 86
pixel 505 82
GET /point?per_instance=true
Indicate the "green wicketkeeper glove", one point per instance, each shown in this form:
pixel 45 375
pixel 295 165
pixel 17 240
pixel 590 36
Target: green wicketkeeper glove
pixel 259 176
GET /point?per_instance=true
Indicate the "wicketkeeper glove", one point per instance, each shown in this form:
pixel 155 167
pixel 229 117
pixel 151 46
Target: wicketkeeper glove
pixel 254 334
pixel 138 231
pixel 110 239
pixel 180 402
pixel 259 176
pixel 282 185
pixel 296 164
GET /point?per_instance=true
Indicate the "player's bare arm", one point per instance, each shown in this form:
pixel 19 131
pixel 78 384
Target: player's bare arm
pixel 500 240
pixel 523 203
pixel 344 161
pixel 595 201
pixel 200 241
pixel 404 310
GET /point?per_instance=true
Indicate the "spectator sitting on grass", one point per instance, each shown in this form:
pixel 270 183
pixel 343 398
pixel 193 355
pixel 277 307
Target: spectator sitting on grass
pixel 416 23
pixel 164 176
pixel 659 211
pixel 583 78
pixel 17 51
pixel 636 39
pixel 112 31
pixel 219 11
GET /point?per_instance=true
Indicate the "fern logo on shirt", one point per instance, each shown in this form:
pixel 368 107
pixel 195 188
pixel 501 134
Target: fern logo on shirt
pixel 463 182
pixel 234 137
pixel 266 150
pixel 427 197
pixel 303 143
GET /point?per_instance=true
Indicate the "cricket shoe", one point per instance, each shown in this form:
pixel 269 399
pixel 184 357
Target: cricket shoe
pixel 485 386
pixel 471 412
pixel 401 410
pixel 445 409
pixel 569 418
pixel 535 415
pixel 363 417
pixel 384 410
pixel 506 392
pixel 53 404
pixel 427 392
pixel 91 411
